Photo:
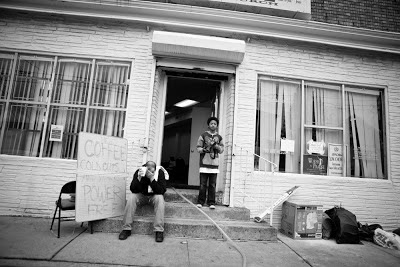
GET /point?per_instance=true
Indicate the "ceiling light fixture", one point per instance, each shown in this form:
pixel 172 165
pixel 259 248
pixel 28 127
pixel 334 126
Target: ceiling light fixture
pixel 186 103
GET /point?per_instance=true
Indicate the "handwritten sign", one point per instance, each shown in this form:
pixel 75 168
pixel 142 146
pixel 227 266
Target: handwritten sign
pixel 315 164
pixel 100 196
pixel 101 153
pixel 336 160
pixel 101 179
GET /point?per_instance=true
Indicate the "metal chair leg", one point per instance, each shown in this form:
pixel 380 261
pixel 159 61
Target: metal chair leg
pixel 59 221
pixel 54 216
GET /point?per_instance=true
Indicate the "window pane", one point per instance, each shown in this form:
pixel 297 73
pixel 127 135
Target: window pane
pixel 365 133
pixel 323 105
pixel 72 83
pixel 317 158
pixel 110 85
pixel 72 119
pixel 278 116
pixel 5 73
pixel 107 122
pixel 23 130
pixel 2 111
pixel 32 80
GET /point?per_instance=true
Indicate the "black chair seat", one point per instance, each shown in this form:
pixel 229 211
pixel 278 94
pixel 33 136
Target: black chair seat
pixel 66 204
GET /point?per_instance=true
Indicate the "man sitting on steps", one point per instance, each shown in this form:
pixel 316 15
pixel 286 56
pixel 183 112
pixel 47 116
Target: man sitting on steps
pixel 148 187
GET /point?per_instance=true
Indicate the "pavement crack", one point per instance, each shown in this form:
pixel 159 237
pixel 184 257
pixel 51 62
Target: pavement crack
pixel 188 255
pixel 301 257
pixel 58 251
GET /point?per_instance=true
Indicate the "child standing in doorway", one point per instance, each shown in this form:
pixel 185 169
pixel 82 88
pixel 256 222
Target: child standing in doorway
pixel 209 145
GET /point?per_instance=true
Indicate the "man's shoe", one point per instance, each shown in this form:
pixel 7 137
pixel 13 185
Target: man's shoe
pixel 199 206
pixel 159 236
pixel 212 207
pixel 124 234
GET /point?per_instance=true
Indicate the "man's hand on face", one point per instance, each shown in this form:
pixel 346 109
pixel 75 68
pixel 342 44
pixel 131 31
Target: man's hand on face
pixel 150 175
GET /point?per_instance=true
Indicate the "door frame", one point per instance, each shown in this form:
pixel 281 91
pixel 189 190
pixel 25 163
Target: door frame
pixel 181 65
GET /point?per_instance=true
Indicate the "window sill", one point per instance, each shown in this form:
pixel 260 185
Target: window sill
pixel 325 177
pixel 35 158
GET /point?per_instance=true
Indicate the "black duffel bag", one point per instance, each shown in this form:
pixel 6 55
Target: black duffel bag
pixel 345 223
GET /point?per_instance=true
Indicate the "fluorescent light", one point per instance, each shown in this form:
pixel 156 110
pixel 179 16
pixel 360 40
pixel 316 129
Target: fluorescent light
pixel 166 113
pixel 186 103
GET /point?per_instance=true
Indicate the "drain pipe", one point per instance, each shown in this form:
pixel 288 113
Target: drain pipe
pixel 244 259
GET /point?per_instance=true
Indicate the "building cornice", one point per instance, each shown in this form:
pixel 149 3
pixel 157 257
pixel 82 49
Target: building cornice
pixel 215 22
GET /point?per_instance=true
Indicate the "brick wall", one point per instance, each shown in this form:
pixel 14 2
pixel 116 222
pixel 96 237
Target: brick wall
pixel 383 15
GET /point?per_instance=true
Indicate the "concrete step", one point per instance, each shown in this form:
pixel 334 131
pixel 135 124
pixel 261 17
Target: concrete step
pixel 236 230
pixel 186 211
pixel 191 194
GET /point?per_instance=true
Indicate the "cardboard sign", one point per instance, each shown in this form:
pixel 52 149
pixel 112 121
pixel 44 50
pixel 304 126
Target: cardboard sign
pixel 101 153
pixel 336 160
pixel 101 179
pixel 315 164
pixel 99 196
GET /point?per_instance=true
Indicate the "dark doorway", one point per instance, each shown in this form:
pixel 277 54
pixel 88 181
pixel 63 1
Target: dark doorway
pixel 189 102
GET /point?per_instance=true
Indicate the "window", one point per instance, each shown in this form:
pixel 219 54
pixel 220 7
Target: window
pixel 38 93
pixel 320 128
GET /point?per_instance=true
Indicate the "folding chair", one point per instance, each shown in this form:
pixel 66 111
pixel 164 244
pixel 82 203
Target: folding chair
pixel 64 204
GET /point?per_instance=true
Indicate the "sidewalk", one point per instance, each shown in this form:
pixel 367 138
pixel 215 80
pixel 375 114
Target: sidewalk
pixel 26 241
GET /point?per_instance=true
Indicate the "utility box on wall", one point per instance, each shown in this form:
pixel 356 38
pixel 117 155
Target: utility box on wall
pixel 302 221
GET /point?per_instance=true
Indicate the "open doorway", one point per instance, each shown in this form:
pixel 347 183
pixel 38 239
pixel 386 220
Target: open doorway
pixel 190 100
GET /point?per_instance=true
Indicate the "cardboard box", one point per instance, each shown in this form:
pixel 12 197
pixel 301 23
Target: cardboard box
pixel 300 221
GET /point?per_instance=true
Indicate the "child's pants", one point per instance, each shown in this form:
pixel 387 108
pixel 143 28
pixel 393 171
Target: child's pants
pixel 212 181
pixel 139 199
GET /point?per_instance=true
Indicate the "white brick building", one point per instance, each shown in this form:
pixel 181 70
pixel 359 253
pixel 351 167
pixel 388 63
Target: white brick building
pixel 268 78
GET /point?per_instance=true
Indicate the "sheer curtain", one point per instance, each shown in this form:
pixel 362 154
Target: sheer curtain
pixel 68 107
pixel 323 108
pixel 279 116
pixel 110 90
pixel 24 122
pixel 364 134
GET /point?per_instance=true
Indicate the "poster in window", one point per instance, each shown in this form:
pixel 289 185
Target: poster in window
pixel 315 164
pixel 56 133
pixel 287 145
pixel 314 147
pixel 336 160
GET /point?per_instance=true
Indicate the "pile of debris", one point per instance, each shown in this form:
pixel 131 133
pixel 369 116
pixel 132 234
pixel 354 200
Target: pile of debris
pixel 342 225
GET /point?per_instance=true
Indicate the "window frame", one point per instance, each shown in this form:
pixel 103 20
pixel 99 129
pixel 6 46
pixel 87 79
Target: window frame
pixel 303 80
pixel 56 58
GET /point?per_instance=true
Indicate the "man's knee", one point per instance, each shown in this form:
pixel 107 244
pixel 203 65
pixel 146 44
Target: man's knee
pixel 133 198
pixel 158 199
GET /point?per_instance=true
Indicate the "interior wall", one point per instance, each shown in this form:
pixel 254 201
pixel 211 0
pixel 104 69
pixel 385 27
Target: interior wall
pixel 199 125
pixel 176 142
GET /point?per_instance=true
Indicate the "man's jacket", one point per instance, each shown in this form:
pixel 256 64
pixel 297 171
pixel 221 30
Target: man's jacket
pixel 142 184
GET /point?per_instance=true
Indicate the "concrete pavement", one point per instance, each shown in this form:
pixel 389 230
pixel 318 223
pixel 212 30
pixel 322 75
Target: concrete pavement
pixel 26 241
